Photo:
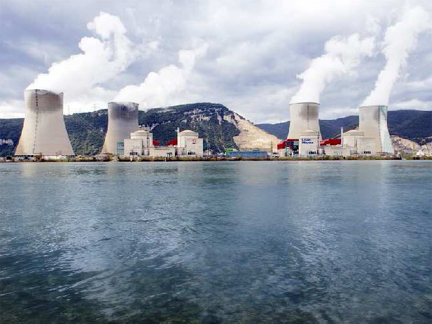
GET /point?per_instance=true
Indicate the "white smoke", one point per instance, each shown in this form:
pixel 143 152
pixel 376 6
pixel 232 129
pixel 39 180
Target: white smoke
pixel 341 57
pixel 103 57
pixel 164 87
pixel 400 40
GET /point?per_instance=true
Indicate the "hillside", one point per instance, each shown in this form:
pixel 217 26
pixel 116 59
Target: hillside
pixel 415 125
pixel 220 127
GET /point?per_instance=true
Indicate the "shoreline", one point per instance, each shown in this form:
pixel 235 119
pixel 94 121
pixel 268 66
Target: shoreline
pixel 90 159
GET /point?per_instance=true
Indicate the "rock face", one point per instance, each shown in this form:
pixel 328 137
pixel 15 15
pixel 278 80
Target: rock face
pixel 252 137
pixel 405 146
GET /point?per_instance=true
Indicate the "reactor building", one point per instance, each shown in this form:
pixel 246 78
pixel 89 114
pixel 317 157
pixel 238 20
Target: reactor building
pixel 44 131
pixel 122 121
pixel 373 124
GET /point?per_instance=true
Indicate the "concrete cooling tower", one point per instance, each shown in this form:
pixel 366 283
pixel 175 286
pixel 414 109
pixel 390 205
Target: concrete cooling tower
pixel 44 130
pixel 373 123
pixel 122 121
pixel 303 117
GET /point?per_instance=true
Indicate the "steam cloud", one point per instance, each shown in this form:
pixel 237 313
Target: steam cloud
pixel 342 56
pixel 400 40
pixel 161 88
pixel 102 59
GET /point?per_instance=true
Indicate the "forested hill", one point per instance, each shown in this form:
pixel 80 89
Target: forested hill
pixel 415 125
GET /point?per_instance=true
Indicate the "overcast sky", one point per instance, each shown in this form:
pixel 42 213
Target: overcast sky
pixel 244 54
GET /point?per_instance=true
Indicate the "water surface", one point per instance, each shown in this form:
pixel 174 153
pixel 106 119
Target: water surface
pixel 226 242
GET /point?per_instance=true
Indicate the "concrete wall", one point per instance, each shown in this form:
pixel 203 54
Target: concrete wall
pixel 162 151
pixel 337 150
pixel 366 146
pixel 44 130
pixel 122 121
pixel 133 147
pixel 303 116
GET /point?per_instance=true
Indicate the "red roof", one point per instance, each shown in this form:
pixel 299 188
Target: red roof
pixel 283 144
pixel 172 142
pixel 331 141
pixel 156 143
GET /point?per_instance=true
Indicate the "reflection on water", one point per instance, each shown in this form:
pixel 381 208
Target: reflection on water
pixel 239 242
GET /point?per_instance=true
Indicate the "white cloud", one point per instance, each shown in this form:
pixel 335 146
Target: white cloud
pixel 412 104
pixel 341 57
pixel 400 40
pixel 103 58
pixel 256 49
pixel 164 87
pixel 8 109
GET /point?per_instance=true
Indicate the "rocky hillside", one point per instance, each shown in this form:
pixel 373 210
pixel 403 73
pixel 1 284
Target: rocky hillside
pixel 404 146
pixel 414 125
pixel 220 127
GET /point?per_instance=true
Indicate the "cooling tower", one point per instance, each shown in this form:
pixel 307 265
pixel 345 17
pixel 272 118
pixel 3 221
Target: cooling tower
pixel 44 130
pixel 122 121
pixel 303 117
pixel 373 123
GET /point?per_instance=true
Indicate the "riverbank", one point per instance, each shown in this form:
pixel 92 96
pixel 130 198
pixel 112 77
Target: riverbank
pixel 205 159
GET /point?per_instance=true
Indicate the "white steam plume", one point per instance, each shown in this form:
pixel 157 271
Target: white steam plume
pixel 102 59
pixel 164 87
pixel 400 40
pixel 341 57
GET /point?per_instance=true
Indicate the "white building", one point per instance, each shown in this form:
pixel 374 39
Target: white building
pixel 309 143
pixel 188 143
pixel 358 143
pixel 353 142
pixel 141 144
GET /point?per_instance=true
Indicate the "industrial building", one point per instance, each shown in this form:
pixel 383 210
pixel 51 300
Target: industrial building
pixel 371 138
pixel 303 116
pixel 189 143
pixel 141 143
pixel 304 121
pixel 122 121
pixel 44 131
pixel 373 123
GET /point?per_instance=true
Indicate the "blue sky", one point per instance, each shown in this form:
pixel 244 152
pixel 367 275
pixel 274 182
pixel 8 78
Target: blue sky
pixel 244 54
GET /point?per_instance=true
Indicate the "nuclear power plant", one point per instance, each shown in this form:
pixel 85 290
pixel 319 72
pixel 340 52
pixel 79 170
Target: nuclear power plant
pixel 122 120
pixel 44 131
pixel 303 117
pixel 304 138
pixel 373 123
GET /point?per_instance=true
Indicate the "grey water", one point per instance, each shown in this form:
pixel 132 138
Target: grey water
pixel 216 242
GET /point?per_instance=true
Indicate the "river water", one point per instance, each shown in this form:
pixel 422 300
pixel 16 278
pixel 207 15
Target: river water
pixel 216 242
